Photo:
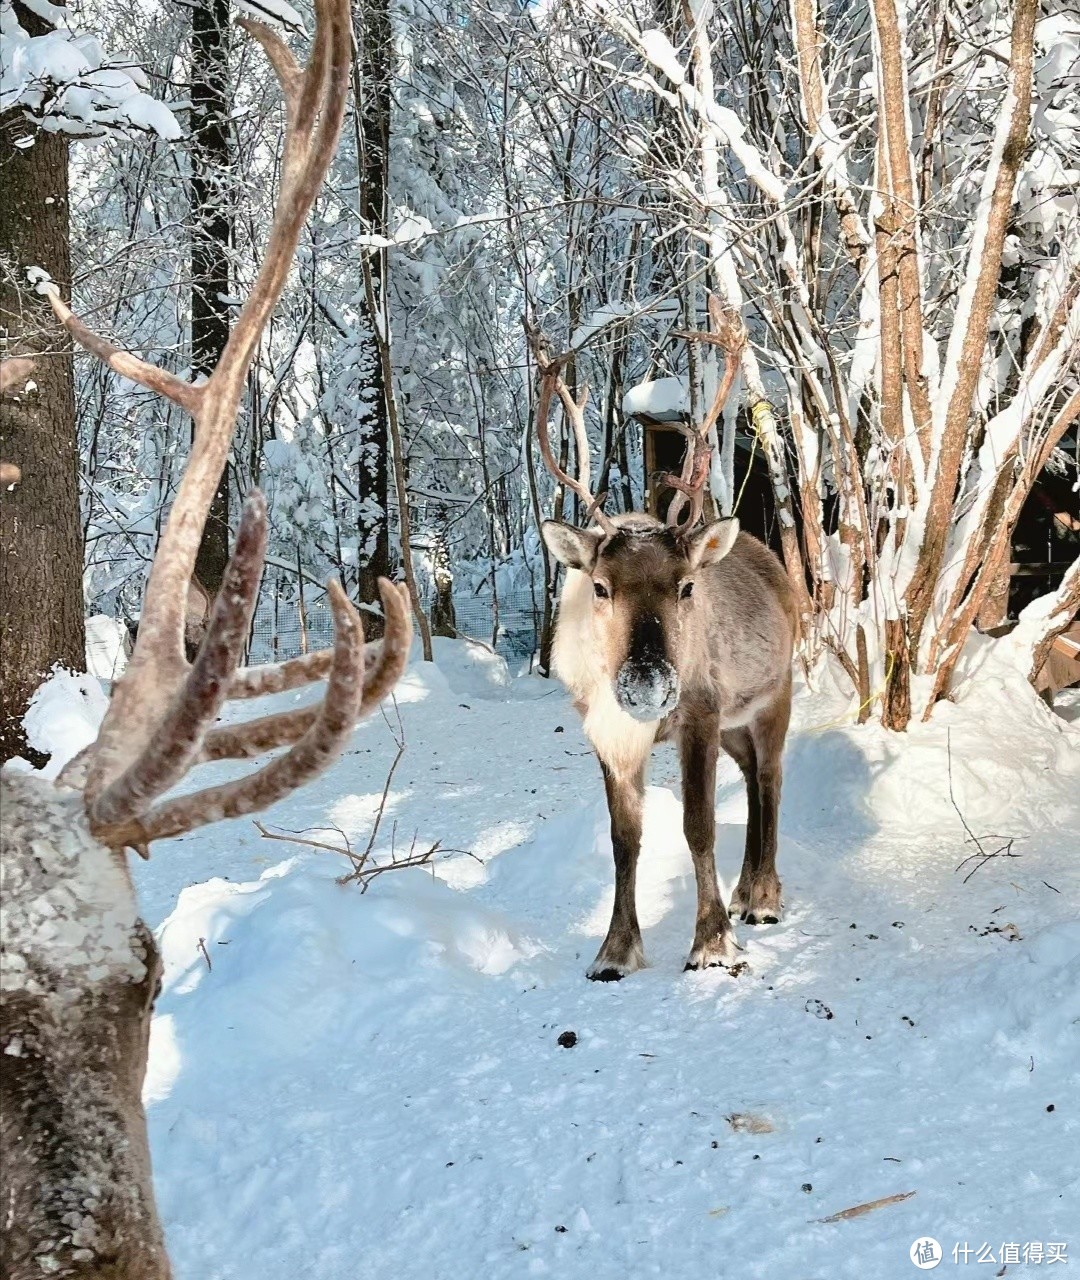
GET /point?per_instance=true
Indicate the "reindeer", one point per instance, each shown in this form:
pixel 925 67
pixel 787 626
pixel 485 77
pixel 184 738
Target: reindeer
pixel 80 970
pixel 674 631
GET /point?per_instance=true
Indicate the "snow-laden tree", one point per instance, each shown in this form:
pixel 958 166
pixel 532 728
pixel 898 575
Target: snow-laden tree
pixel 872 186
pixel 60 79
pixel 889 195
pixel 56 84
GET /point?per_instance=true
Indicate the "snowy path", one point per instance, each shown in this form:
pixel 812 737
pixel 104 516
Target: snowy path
pixel 372 1086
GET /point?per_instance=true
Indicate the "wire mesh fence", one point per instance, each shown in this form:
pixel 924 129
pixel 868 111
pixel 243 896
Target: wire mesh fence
pixel 511 624
pixel 286 626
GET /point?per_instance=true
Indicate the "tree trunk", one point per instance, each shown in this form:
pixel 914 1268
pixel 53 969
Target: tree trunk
pixel 896 706
pixel 41 549
pixel 443 620
pixel 211 236
pixel 372 72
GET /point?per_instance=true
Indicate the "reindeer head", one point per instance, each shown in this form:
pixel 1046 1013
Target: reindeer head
pixel 79 969
pixel 641 583
pixel 641 573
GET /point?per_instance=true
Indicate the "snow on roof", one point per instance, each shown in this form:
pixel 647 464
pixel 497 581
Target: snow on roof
pixel 663 399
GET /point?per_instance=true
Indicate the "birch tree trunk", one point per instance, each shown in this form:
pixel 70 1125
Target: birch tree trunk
pixel 925 392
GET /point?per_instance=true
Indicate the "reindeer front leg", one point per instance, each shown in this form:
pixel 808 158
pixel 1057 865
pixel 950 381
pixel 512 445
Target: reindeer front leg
pixel 714 939
pixel 622 952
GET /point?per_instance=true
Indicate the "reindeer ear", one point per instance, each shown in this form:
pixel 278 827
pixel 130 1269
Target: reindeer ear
pixel 575 548
pixel 712 543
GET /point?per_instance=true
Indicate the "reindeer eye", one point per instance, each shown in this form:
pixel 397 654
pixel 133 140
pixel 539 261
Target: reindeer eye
pixel 686 591
pixel 600 591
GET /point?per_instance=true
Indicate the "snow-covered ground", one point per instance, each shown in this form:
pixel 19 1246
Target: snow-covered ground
pixel 346 1086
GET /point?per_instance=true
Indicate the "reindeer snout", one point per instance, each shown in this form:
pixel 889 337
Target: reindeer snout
pixel 647 693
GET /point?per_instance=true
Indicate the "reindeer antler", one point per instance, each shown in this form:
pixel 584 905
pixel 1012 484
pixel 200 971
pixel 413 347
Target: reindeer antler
pixel 551 383
pixel 158 724
pixel 729 332
pixel 14 369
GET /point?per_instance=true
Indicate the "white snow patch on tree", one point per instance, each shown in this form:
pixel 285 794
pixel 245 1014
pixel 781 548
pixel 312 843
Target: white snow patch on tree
pixel 64 82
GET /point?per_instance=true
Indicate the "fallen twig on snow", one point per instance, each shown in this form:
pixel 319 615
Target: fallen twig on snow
pixel 364 871
pixel 984 855
pixel 857 1210
pixel 399 738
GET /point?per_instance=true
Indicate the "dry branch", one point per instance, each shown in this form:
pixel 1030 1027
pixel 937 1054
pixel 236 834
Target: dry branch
pixel 857 1210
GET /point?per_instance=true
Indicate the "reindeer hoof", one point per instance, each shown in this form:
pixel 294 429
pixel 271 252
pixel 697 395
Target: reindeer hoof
pixel 761 905
pixel 720 952
pixel 608 968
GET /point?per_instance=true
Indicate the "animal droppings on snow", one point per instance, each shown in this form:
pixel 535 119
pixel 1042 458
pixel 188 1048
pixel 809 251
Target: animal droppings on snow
pixel 568 1039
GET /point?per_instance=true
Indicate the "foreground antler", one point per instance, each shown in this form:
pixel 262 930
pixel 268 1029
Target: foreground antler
pixel 79 968
pixel 314 100
pixel 552 384
pixel 728 332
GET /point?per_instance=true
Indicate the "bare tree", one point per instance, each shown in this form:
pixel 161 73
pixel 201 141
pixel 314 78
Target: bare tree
pixel 372 76
pixel 917 397
pixel 212 204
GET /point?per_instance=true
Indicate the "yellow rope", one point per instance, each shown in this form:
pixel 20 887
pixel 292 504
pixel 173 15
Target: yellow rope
pixel 749 465
pixel 832 724
pixel 759 410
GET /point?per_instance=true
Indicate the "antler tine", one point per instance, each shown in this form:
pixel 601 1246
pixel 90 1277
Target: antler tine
pixel 161 381
pixel 294 673
pixel 243 741
pixel 551 383
pixel 396 643
pixel 575 415
pixel 323 742
pixel 315 101
pixel 14 369
pixel 175 743
pixel 289 73
pixel 319 91
pixel 691 484
pixel 728 332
